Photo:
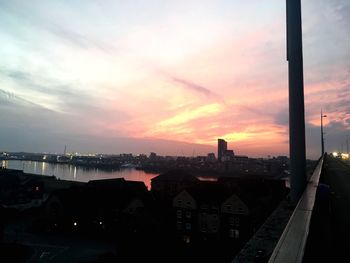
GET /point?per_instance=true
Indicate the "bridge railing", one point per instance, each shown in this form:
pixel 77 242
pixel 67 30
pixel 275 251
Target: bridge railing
pixel 291 245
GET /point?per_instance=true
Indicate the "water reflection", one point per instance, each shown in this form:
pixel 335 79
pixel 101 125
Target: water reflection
pixel 76 173
pixel 4 163
pixel 207 178
pixel 43 169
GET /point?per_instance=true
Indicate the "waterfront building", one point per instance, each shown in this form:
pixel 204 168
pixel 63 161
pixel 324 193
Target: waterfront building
pixel 222 148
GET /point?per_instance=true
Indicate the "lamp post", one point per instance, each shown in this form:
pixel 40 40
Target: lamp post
pixel 322 139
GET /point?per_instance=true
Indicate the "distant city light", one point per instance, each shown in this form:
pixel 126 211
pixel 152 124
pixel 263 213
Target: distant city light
pixel 75 224
pixel 100 222
pixel 345 156
pixel 335 154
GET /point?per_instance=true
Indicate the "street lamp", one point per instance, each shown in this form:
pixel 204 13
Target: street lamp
pixel 322 139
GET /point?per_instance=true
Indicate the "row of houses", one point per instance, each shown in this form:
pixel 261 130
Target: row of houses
pixel 227 209
pixel 178 205
pixel 110 205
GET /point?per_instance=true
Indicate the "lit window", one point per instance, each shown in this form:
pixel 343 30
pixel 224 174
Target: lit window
pixel 187 239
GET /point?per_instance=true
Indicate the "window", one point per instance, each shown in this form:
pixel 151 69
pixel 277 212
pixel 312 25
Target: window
pixel 236 222
pixel 188 214
pixel 188 226
pixel 204 207
pixel 179 213
pixel 187 239
pixel 232 220
pixel 234 233
pixel 179 202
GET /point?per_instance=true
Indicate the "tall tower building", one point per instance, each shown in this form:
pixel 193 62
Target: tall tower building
pixel 222 148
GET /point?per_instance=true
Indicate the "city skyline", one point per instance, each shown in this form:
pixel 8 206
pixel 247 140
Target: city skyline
pixel 159 76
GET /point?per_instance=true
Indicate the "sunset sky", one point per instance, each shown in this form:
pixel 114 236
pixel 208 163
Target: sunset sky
pixel 167 76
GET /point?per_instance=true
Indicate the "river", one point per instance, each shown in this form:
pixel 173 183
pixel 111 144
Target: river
pixel 79 173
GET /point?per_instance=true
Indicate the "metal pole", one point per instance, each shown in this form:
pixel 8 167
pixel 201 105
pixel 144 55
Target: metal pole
pixel 322 140
pixel 296 100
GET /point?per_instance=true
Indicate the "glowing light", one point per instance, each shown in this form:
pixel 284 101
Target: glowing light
pixel 75 224
pixel 335 154
pixel 345 156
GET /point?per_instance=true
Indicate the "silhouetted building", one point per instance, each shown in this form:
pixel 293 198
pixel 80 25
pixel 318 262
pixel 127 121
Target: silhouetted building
pixel 172 182
pixel 152 156
pixel 211 157
pixel 211 211
pixel 18 188
pixel 222 148
pixel 228 155
pixel 112 205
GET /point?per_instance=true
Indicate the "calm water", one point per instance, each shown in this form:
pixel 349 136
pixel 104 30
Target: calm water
pixel 78 173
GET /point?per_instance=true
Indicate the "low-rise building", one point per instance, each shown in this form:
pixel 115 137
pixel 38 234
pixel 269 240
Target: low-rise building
pixel 102 205
pixel 171 183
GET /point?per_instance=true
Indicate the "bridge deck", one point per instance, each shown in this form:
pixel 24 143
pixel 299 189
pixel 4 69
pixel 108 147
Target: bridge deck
pixel 329 238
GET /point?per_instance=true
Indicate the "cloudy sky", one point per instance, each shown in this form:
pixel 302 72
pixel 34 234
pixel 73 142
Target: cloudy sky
pixel 167 76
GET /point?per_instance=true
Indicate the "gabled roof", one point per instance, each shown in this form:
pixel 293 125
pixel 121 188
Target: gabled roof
pixel 176 175
pixel 209 193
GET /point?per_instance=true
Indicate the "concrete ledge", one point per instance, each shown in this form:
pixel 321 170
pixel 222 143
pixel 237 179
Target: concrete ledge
pixel 290 248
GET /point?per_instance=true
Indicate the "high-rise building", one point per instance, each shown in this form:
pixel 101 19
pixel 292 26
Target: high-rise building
pixel 222 148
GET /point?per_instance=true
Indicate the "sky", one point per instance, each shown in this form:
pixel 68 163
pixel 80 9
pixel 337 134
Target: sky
pixel 168 76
